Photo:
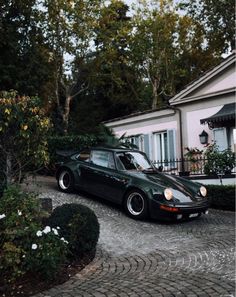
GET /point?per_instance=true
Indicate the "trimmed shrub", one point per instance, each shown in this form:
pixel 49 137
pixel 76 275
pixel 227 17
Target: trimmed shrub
pixel 222 197
pixel 79 226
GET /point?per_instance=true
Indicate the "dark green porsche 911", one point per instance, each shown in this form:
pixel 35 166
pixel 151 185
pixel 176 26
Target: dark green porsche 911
pixel 128 178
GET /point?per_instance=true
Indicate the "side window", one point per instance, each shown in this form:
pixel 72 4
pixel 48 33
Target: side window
pixel 83 156
pixel 137 140
pixel 220 137
pixel 103 158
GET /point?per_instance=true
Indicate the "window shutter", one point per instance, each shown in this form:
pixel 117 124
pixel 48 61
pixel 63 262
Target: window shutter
pixel 136 141
pixel 220 137
pixel 171 140
pixel 146 144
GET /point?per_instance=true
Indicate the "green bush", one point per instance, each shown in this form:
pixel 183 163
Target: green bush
pixel 222 197
pixel 25 245
pixel 69 142
pixel 218 162
pixel 24 127
pixel 79 226
pixel 105 136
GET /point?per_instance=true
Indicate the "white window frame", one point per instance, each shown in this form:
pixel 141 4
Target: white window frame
pixel 139 142
pixel 159 149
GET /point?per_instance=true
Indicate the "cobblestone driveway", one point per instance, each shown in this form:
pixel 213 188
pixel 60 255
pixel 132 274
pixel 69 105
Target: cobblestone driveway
pixel 151 258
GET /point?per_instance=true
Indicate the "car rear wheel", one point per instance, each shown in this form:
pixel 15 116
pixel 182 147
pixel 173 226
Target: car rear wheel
pixel 65 181
pixel 136 204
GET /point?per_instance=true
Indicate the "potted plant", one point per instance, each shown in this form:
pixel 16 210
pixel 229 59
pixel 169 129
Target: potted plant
pixel 193 156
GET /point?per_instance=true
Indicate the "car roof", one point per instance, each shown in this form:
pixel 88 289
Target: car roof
pixel 114 149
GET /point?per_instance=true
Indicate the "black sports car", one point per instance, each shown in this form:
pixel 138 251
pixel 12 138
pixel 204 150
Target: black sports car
pixel 128 178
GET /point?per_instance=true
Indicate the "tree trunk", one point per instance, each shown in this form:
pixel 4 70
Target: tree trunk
pixel 156 102
pixel 8 168
pixel 66 114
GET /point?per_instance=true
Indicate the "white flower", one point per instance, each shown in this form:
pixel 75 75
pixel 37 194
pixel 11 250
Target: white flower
pixel 58 228
pixel 46 230
pixel 65 241
pixel 55 231
pixel 2 216
pixel 19 212
pixel 39 233
pixel 23 256
pixel 34 246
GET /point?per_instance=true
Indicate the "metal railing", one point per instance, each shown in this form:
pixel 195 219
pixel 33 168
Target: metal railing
pixel 183 166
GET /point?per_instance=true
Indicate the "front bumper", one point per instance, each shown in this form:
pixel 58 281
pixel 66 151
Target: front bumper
pixel 177 212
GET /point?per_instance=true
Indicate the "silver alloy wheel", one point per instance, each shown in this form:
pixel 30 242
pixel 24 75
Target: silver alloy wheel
pixel 135 203
pixel 64 180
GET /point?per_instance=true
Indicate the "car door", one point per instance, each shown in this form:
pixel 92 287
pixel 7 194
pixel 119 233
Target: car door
pixel 102 177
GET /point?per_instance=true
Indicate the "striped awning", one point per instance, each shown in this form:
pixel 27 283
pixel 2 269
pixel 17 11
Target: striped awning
pixel 225 114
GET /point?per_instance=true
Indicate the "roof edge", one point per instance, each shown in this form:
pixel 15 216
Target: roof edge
pixel 139 113
pixel 202 79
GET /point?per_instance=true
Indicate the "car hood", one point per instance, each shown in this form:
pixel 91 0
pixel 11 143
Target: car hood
pixel 184 190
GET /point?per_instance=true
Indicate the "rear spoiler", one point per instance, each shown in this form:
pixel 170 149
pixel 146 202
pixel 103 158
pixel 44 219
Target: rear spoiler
pixel 66 153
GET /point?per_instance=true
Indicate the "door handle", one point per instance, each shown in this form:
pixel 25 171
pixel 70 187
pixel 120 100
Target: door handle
pixel 121 180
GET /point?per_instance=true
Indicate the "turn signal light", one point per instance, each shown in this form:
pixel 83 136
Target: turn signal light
pixel 169 208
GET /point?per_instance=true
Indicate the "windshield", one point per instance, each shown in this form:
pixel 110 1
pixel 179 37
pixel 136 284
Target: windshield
pixel 133 161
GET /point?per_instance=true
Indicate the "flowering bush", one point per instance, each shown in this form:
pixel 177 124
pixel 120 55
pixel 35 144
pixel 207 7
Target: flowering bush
pixel 25 245
pixel 218 162
pixel 47 253
pixel 23 134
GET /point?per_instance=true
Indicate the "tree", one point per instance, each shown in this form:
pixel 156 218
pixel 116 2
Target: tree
pixel 68 27
pixel 21 44
pixel 154 48
pixel 218 20
pixel 113 87
pixel 23 135
pixel 168 48
pixel 116 78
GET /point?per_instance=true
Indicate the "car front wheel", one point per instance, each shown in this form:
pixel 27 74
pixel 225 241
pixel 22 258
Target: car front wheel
pixel 136 204
pixel 65 181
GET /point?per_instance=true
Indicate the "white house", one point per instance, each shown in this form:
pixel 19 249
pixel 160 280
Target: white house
pixel 208 104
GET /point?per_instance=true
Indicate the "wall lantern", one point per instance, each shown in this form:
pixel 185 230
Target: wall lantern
pixel 203 137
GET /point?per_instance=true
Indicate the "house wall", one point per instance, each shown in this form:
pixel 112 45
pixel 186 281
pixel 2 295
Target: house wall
pixel 150 123
pixel 147 127
pixel 223 81
pixel 193 112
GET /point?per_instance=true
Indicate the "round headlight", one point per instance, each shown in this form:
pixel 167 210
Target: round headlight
pixel 203 191
pixel 168 194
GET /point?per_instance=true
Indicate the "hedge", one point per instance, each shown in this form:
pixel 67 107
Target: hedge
pixel 70 143
pixel 222 197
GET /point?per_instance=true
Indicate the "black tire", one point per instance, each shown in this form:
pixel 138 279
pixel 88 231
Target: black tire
pixel 136 205
pixel 65 181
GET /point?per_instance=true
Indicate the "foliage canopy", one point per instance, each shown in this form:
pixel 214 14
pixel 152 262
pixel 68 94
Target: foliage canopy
pixel 96 58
